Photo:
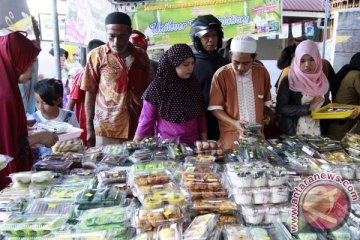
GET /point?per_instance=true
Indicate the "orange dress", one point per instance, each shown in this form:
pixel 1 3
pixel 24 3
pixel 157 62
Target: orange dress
pixel 223 93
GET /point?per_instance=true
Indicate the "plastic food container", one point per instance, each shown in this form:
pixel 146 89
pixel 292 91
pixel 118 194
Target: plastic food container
pixel 279 194
pixel 235 232
pixel 261 195
pixel 224 206
pixel 169 232
pixel 32 225
pixel 243 196
pixel 334 111
pixel 201 227
pixel 152 178
pixel 272 215
pixel 107 217
pixel 149 219
pixel 4 160
pixel 161 198
pixel 49 206
pixel 71 133
pixel 253 214
pixel 64 192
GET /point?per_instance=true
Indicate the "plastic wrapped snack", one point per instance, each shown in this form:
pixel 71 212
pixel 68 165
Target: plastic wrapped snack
pixel 4 160
pixel 342 233
pixel 225 219
pixel 149 219
pixel 336 156
pixel 114 149
pixel 152 189
pixel 21 178
pixel 109 218
pixel 151 178
pixel 279 194
pixel 235 232
pixel 277 177
pixel 220 192
pixel 253 214
pixel 162 198
pixel 97 198
pixel 148 167
pixel 203 158
pixel 260 195
pixel 110 177
pixel 243 196
pixel 179 151
pixel 54 166
pixel 49 206
pixel 239 180
pixel 72 145
pixel 141 155
pixel 210 147
pixel 75 180
pixel 258 233
pixel 32 225
pixel 201 227
pixel 155 166
pixel 224 206
pixel 202 182
pixel 64 192
pixel 98 235
pixel 201 168
pixel 54 126
pixel 272 215
pixel 169 232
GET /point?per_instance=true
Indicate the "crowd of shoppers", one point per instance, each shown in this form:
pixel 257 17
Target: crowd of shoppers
pixel 120 95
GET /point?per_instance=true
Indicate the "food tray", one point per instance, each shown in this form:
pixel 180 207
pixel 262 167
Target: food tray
pixel 71 133
pixel 32 225
pixel 149 219
pixel 201 227
pixel 334 111
pixel 49 206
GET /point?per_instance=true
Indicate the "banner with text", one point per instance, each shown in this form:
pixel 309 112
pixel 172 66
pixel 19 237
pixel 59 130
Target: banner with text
pixel 168 22
pixel 86 20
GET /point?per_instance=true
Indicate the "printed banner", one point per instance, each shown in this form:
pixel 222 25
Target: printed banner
pixel 86 20
pixel 47 27
pixel 168 22
pixel 24 25
pixel 12 11
pixel 15 16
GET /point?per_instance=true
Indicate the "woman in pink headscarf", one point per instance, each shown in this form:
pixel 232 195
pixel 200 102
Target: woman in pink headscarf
pixel 304 90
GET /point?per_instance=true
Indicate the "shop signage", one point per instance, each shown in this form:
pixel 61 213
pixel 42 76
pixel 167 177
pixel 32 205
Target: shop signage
pixel 168 22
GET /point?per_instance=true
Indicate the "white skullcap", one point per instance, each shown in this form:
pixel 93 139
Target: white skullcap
pixel 243 44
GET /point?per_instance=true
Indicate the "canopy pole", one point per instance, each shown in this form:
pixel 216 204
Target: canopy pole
pixel 56 39
pixel 327 14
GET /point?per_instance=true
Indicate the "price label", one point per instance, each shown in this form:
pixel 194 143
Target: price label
pixel 115 175
pixel 52 205
pixel 108 211
pixel 88 195
pixel 167 213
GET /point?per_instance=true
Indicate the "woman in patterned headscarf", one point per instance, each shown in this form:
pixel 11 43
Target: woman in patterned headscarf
pixel 173 102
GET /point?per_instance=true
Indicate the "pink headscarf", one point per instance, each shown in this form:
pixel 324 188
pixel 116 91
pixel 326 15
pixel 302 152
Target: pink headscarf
pixel 311 84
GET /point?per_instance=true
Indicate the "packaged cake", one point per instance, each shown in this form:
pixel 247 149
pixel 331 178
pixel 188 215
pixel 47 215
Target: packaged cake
pixel 201 227
pixel 149 219
pixel 224 206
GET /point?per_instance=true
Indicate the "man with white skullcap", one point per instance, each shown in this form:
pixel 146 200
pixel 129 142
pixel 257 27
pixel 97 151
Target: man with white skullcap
pixel 115 77
pixel 239 91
